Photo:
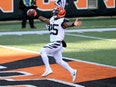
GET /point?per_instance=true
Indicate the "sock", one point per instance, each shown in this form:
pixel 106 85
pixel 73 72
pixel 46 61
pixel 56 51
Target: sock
pixel 66 66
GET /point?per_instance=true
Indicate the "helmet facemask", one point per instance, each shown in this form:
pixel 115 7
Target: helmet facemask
pixel 59 12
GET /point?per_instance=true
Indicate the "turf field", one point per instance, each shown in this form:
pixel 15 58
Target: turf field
pixel 92 45
pixel 85 48
pixel 87 23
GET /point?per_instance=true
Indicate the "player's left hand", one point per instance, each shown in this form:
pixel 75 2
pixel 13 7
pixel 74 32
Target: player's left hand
pixel 77 23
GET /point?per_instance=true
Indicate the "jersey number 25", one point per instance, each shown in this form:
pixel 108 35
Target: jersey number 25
pixel 52 29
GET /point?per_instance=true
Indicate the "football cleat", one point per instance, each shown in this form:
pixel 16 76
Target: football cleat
pixel 74 75
pixel 47 72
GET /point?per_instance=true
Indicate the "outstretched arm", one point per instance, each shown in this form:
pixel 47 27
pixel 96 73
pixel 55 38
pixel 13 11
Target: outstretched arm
pixel 68 24
pixel 43 19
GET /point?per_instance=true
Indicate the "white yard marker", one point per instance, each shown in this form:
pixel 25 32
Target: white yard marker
pixel 92 37
pixel 46 31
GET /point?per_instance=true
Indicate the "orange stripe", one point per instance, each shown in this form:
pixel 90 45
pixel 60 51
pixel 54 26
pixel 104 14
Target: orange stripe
pixel 86 72
pixel 9 55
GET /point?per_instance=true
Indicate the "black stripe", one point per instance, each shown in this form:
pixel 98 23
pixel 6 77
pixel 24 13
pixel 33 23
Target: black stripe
pixel 54 45
pixel 29 62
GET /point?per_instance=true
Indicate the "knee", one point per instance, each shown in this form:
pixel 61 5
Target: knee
pixel 42 52
pixel 59 62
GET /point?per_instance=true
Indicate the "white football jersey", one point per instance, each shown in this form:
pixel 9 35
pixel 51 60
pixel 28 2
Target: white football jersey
pixel 56 30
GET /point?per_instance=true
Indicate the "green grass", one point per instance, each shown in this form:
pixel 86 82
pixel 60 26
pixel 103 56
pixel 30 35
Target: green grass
pixel 101 51
pixel 86 23
pixel 89 49
pixel 16 26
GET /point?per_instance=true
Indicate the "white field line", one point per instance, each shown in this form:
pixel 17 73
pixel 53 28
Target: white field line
pixel 92 37
pixel 22 72
pixel 23 32
pixel 63 57
pixel 45 31
pixel 49 79
pixel 92 30
pixel 2 67
pixel 71 84
pixel 19 49
pixel 90 62
pixel 19 85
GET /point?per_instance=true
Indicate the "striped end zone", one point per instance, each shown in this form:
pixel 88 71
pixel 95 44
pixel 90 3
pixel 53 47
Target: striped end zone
pixel 31 67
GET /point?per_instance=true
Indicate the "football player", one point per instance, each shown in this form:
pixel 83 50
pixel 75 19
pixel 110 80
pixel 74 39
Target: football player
pixel 56 26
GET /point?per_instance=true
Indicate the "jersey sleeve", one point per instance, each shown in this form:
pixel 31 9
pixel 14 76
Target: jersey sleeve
pixel 65 20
